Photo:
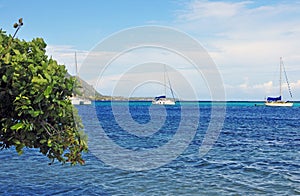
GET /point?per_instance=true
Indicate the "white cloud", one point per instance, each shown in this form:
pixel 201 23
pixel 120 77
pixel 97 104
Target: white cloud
pixel 259 91
pixel 65 55
pixel 183 73
pixel 198 10
pixel 142 66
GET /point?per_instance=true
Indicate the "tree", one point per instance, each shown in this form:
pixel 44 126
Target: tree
pixel 35 110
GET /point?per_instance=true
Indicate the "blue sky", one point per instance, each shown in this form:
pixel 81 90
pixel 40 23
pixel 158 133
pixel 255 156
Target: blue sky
pixel 244 38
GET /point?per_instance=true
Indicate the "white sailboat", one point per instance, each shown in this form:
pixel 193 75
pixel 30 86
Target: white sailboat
pixel 163 100
pixel 76 100
pixel 277 101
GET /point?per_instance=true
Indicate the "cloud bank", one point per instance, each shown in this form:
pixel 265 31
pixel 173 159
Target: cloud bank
pixel 246 40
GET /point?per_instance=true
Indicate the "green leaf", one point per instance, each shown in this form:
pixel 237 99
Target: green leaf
pixel 34 113
pixel 38 98
pixel 43 141
pixel 17 52
pixel 38 80
pixel 7 58
pixel 49 143
pixel 48 91
pixel 47 76
pixel 16 142
pixel 4 78
pixel 19 148
pixel 17 126
pixel 24 107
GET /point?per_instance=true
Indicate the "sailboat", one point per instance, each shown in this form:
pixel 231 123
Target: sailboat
pixel 277 101
pixel 76 100
pixel 163 100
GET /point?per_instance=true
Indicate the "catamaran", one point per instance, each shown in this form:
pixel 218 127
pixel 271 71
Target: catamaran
pixel 277 101
pixel 163 100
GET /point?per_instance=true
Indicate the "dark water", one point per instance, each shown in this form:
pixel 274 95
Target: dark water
pixel 257 153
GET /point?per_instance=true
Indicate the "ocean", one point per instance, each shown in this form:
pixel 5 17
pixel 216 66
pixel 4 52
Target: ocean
pixel 140 149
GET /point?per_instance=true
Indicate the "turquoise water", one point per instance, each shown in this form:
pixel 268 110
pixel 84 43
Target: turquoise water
pixel 256 153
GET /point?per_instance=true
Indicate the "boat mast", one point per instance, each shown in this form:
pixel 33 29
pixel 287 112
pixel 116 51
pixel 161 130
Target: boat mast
pixel 280 78
pixel 286 79
pixel 171 87
pixel 165 80
pixel 76 69
pixel 77 75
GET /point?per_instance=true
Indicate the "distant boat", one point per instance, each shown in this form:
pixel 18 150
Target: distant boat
pixel 77 100
pixel 80 101
pixel 163 100
pixel 277 101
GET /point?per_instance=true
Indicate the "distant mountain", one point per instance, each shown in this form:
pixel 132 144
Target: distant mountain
pixel 86 90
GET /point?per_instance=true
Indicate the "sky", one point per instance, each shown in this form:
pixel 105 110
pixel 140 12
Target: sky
pixel 243 39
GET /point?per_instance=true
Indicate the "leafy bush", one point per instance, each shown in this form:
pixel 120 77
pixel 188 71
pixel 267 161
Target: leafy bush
pixel 35 110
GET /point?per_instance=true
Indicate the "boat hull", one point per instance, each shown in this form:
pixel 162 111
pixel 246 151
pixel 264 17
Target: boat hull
pixel 163 102
pixel 279 104
pixel 80 101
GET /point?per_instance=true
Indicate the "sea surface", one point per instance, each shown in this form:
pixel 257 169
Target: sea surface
pixel 257 152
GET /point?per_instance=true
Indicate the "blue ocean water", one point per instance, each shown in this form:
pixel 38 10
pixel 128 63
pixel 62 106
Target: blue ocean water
pixel 256 153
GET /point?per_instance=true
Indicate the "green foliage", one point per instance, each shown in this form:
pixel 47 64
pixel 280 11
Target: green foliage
pixel 35 110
